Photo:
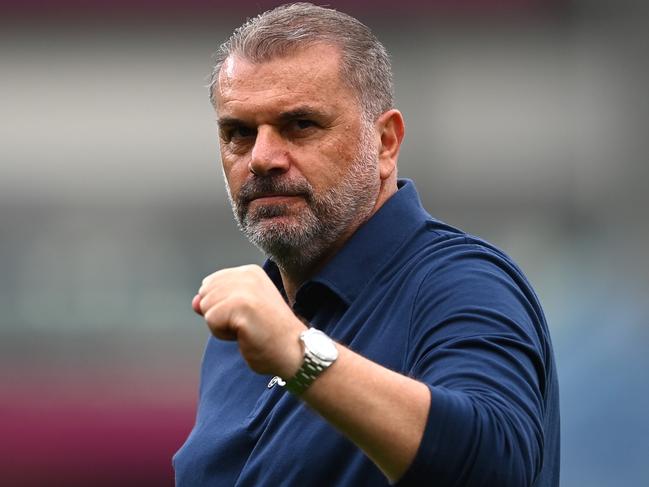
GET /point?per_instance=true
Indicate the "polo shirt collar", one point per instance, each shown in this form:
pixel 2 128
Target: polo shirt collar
pixel 368 249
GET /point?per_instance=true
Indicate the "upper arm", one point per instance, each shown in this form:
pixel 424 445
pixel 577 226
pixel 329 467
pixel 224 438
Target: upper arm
pixel 476 341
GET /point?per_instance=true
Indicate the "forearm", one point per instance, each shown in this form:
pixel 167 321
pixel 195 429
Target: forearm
pixel 486 419
pixel 384 413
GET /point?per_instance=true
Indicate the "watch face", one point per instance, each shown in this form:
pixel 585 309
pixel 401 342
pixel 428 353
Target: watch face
pixel 320 345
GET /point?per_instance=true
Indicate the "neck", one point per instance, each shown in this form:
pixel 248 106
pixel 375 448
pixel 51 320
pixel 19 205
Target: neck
pixel 290 287
pixel 294 276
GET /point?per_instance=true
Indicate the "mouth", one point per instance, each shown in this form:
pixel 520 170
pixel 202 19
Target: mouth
pixel 275 198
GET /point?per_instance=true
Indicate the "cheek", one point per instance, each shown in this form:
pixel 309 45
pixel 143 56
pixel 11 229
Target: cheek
pixel 337 157
pixel 320 167
pixel 235 171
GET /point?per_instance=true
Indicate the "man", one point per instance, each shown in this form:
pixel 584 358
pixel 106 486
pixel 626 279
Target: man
pixel 377 345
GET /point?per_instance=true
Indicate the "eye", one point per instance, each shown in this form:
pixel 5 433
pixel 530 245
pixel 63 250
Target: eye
pixel 237 133
pixel 304 124
pixel 242 132
pixel 300 127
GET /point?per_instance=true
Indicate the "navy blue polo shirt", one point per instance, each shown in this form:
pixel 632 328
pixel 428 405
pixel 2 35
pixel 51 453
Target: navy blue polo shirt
pixel 421 298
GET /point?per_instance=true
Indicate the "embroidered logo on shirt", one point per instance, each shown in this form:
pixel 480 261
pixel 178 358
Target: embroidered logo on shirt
pixel 276 380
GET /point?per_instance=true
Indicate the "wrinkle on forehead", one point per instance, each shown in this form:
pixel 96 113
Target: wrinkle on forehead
pixel 305 65
pixel 259 91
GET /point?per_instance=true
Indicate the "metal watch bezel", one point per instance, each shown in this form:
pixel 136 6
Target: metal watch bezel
pixel 319 345
pixel 319 353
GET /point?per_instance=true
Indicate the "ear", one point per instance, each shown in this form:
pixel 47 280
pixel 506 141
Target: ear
pixel 391 128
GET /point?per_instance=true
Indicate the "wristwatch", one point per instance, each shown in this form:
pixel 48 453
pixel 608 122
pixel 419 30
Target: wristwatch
pixel 319 353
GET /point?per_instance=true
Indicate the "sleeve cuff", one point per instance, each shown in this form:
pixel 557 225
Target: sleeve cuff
pixel 439 460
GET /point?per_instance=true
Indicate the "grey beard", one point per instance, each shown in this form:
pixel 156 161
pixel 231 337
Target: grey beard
pixel 299 246
pixel 289 246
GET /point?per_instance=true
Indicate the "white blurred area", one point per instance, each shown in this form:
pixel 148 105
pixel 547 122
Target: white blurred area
pixel 513 129
pixel 531 132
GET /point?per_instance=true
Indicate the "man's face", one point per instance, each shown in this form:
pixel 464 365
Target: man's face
pixel 300 163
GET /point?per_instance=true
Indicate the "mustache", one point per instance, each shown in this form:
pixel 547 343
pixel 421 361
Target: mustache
pixel 258 187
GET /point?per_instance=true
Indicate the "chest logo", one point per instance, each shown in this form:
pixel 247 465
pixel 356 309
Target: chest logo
pixel 276 380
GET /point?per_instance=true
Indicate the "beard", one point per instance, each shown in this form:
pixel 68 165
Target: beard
pixel 298 240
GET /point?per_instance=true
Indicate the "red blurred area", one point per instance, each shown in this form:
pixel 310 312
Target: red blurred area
pixel 91 434
pixel 214 9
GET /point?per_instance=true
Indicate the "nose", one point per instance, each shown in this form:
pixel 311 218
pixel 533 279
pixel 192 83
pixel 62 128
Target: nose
pixel 269 154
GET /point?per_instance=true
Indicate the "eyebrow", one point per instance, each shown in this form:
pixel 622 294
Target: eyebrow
pixel 301 112
pixel 230 122
pixel 305 111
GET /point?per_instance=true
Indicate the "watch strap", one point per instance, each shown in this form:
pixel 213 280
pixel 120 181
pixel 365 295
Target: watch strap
pixel 311 368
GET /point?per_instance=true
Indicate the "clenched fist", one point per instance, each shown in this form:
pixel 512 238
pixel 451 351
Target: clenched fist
pixel 243 304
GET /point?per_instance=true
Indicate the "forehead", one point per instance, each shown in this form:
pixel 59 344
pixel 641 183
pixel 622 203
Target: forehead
pixel 308 76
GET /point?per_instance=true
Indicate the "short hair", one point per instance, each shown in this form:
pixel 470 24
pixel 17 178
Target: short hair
pixel 365 63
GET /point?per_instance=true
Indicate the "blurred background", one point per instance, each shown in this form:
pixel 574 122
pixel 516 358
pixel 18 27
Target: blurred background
pixel 526 124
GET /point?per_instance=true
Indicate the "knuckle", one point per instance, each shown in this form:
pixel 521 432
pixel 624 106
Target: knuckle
pixel 211 316
pixel 204 305
pixel 210 277
pixel 238 300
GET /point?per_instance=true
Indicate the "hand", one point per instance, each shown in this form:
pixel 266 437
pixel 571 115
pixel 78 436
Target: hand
pixel 243 304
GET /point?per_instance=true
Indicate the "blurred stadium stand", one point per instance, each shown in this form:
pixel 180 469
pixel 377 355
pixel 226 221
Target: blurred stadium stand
pixel 526 124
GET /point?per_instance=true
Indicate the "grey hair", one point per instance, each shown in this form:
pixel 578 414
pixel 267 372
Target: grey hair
pixel 365 65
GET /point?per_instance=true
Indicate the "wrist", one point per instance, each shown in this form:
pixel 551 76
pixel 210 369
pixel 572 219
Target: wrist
pixel 292 353
pixel 319 353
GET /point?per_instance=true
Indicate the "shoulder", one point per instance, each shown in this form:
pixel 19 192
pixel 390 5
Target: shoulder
pixel 459 267
pixel 461 280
